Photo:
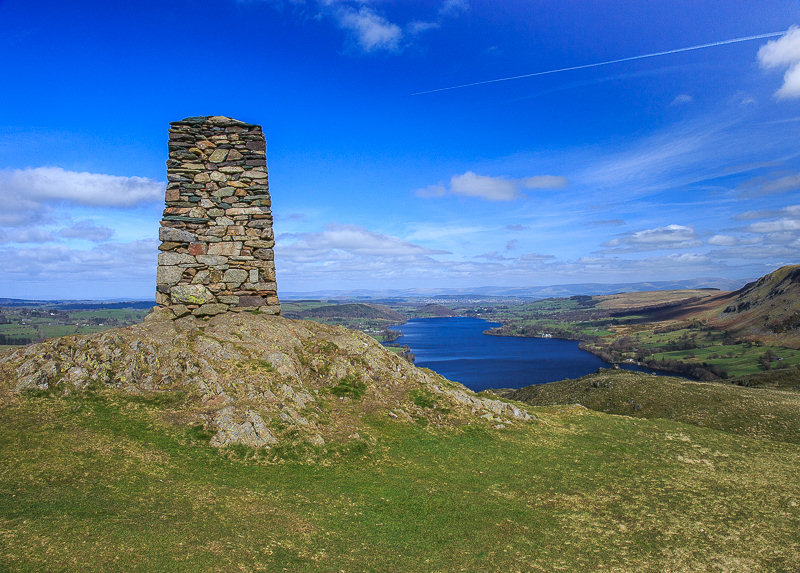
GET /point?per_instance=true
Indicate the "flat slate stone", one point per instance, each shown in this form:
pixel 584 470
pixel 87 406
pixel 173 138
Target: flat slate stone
pixel 191 294
pixel 176 235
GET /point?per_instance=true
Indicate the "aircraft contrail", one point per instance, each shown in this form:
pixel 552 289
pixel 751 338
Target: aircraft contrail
pixel 609 62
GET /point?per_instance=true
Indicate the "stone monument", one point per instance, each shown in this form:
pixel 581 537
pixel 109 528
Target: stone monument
pixel 216 233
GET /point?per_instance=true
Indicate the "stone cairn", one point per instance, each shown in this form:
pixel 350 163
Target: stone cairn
pixel 216 233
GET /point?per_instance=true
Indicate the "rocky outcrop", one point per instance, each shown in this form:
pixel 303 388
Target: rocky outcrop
pixel 216 233
pixel 255 379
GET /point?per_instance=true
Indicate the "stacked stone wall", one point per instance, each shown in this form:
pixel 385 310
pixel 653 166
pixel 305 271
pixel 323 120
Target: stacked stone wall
pixel 216 232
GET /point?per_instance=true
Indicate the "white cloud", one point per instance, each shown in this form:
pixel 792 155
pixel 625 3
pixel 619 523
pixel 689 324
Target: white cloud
pixel 349 240
pixel 453 7
pixel 434 232
pixel 490 188
pixel 54 184
pixel 669 237
pixel 784 53
pixel 370 31
pixel 758 186
pixel 535 258
pixel 117 262
pixel 607 222
pixel 723 241
pixel 682 99
pixel 791 210
pixel 20 211
pixel 492 256
pixel 27 235
pixel 470 184
pixel 688 258
pixel 87 230
pixel 775 226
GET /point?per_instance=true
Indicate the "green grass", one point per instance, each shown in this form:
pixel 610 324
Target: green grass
pixel 755 412
pixel 737 360
pixel 350 387
pixel 98 482
pixel 66 322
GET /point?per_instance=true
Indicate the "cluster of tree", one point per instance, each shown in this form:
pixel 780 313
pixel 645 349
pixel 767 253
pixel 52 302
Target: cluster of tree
pixel 534 331
pixel 15 340
pixel 765 360
pixel 388 335
pixel 704 371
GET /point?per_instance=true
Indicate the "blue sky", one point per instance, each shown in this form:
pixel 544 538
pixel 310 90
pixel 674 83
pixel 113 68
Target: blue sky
pixel 676 166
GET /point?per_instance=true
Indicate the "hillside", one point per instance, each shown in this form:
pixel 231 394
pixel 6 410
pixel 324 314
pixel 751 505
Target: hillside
pixel 350 310
pixel 755 412
pixel 434 310
pixel 249 442
pixel 767 309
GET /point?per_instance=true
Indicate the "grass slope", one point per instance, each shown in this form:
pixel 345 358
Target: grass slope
pixel 756 412
pixel 97 482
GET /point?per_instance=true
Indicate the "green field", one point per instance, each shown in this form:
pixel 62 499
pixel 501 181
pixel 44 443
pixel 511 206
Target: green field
pixel 27 325
pixel 104 481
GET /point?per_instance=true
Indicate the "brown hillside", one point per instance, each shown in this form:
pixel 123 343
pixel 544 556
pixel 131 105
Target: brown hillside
pixel 767 309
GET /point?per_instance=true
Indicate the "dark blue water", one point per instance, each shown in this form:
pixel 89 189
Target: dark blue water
pixel 457 349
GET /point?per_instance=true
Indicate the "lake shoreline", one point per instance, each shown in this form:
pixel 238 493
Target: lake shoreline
pixel 459 349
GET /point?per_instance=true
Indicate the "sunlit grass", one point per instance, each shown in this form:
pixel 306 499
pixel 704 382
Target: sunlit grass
pixel 99 482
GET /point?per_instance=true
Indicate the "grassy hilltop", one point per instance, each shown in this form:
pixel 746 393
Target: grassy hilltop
pixel 260 443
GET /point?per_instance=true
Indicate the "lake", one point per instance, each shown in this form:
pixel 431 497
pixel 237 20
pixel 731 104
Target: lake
pixel 457 349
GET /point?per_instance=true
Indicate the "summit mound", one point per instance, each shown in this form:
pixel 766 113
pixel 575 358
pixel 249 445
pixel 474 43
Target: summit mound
pixel 253 379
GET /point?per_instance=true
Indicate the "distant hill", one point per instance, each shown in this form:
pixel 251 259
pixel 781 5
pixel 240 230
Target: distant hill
pixel 768 309
pixel 434 310
pixel 67 304
pixel 564 290
pixel 352 310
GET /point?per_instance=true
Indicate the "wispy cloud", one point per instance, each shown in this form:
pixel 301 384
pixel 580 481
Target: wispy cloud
pixel 367 29
pixel 607 223
pixel 370 31
pixel 54 184
pixel 784 53
pixel 437 232
pixel 470 184
pixel 127 268
pixel 349 240
pixel 759 186
pixel 669 237
pixel 608 62
pixel 682 99
pixel 88 231
pixel 27 235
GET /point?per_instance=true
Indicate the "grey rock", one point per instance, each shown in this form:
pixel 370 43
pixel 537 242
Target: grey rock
pixel 176 235
pixel 237 276
pixel 191 294
pixel 212 260
pixel 168 258
pixel 211 309
pixel 168 275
